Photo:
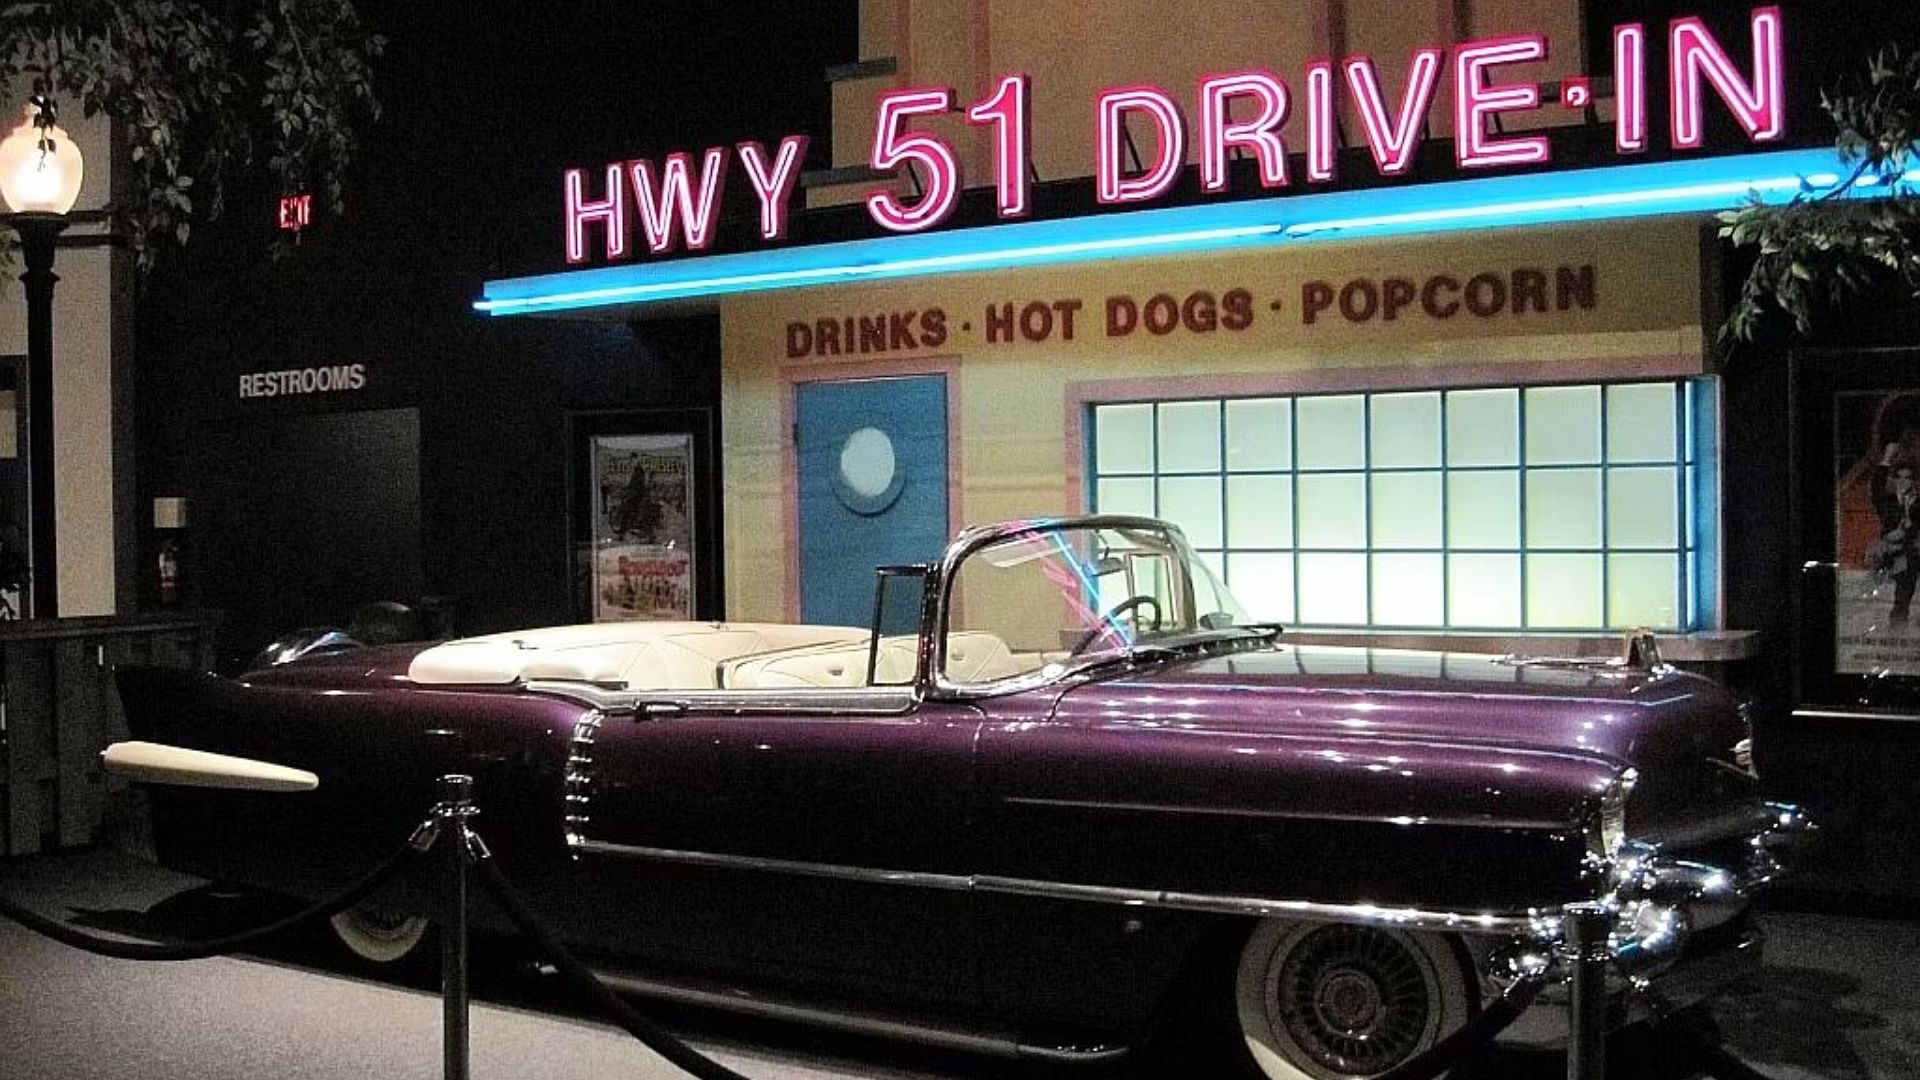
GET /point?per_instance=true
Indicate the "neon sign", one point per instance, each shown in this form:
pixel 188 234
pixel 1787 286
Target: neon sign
pixel 1613 192
pixel 677 204
pixel 296 212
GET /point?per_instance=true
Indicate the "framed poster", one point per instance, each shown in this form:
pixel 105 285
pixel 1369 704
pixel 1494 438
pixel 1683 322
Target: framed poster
pixel 641 504
pixel 1876 522
pixel 1856 516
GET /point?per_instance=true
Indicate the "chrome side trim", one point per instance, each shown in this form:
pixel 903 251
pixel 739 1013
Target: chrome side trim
pixel 1523 922
pixel 916 879
pixel 578 785
pixel 1896 716
pixel 1462 821
pixel 1371 914
pixel 1636 873
pixel 855 701
pixel 900 1029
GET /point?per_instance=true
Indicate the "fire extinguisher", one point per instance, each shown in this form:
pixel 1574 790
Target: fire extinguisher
pixel 169 573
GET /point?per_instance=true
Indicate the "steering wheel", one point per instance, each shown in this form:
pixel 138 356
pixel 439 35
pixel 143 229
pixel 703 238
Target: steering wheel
pixel 1108 619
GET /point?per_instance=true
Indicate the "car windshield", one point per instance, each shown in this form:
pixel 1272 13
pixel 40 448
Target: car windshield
pixel 1073 593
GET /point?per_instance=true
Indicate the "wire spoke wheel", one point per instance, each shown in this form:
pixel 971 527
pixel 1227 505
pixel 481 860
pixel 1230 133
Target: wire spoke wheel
pixel 380 934
pixel 1324 1001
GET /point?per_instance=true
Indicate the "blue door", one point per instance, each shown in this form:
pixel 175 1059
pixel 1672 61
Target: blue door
pixel 872 461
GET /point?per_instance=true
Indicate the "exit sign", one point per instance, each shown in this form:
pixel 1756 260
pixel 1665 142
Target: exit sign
pixel 296 212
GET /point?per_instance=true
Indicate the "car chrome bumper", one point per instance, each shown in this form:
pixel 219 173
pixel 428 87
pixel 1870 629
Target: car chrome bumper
pixel 1699 974
pixel 1683 933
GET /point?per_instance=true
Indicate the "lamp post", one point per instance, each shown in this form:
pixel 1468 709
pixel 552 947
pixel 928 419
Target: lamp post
pixel 40 170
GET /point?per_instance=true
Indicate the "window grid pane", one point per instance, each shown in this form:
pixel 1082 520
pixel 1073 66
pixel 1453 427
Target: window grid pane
pixel 1584 514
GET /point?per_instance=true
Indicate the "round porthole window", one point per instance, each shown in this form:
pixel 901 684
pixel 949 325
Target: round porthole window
pixel 868 478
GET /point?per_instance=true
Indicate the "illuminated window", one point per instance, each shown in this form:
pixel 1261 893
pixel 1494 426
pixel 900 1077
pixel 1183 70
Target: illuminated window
pixel 1564 508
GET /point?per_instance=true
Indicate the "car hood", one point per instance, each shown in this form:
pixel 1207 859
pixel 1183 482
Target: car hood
pixel 1678 730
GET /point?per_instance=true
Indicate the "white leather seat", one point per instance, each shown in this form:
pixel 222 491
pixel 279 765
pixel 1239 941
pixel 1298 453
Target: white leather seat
pixel 835 665
pixel 636 655
pixel 705 656
pixel 972 656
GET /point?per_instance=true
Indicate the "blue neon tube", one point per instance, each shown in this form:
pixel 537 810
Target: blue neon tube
pixel 1622 191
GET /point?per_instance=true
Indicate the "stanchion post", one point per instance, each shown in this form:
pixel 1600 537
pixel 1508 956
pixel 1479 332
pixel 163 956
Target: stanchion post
pixel 1589 926
pixel 456 806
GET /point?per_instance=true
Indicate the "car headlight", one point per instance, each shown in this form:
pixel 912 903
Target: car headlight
pixel 1609 832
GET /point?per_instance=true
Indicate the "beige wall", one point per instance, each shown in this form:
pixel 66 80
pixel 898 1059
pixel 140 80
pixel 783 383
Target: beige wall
pixel 1072 49
pixel 83 383
pixel 1013 451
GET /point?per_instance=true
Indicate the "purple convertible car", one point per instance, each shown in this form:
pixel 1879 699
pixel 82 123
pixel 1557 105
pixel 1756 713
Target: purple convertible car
pixel 1060 797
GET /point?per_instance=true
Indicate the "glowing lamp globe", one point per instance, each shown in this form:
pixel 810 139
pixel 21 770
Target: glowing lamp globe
pixel 37 179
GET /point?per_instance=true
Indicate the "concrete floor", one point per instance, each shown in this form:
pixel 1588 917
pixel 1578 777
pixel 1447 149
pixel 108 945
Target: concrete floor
pixel 1839 999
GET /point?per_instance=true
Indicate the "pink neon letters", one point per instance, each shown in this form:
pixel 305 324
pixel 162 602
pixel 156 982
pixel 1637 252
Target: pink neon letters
pixel 1260 133
pixel 938 170
pixel 1474 101
pixel 1111 185
pixel 1394 139
pixel 610 211
pixel 672 200
pixel 1630 88
pixel 1008 112
pixel 1760 105
pixel 773 184
pixel 1244 110
pixel 1321 129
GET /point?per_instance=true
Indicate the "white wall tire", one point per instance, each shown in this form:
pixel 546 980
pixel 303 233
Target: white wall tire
pixel 1336 1001
pixel 379 935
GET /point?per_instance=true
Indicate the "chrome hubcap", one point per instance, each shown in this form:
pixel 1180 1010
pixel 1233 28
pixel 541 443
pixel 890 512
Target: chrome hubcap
pixel 1348 1002
pixel 1353 998
pixel 384 923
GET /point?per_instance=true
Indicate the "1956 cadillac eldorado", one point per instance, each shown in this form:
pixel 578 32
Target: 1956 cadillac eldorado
pixel 1061 796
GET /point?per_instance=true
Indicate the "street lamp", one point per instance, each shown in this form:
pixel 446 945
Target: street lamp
pixel 40 169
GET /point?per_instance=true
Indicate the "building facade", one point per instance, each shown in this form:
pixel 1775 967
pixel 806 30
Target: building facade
pixel 1438 427
pixel 1411 364
pixel 1408 317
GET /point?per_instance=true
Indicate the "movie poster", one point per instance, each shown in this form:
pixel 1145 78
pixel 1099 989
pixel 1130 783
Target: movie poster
pixel 1876 532
pixel 642 527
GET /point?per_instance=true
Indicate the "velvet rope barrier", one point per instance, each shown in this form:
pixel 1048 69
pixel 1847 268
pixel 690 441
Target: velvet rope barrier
pixel 656 1038
pixel 1456 1048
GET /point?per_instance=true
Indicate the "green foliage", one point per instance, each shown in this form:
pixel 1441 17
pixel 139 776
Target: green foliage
pixel 1818 249
pixel 204 87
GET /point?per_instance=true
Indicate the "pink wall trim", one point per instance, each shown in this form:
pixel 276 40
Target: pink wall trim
pixel 1343 380
pixel 982 16
pixel 1329 28
pixel 903 40
pixel 791 376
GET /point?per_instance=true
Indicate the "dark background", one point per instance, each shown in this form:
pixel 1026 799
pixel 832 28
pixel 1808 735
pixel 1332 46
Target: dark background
pixel 301 510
